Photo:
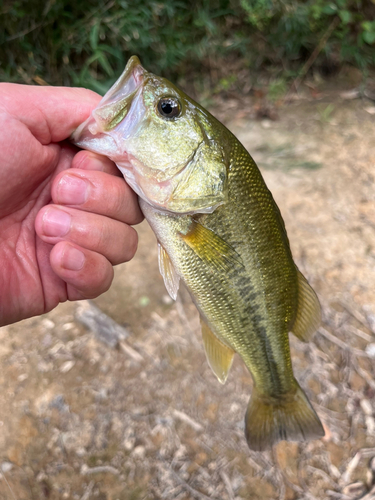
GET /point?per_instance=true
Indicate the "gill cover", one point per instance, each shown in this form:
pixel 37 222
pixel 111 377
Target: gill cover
pixel 175 164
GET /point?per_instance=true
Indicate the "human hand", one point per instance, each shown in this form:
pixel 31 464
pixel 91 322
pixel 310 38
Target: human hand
pixel 64 216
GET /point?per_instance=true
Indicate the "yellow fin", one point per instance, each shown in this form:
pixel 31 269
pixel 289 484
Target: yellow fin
pixel 308 311
pixel 290 417
pixel 211 248
pixel 219 355
pixel 167 270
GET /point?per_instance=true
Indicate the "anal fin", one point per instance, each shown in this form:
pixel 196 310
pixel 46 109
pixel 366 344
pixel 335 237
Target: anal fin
pixel 308 311
pixel 167 270
pixel 219 355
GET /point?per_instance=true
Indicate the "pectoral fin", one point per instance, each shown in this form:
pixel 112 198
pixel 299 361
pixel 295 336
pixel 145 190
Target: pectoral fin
pixel 211 248
pixel 219 355
pixel 167 270
pixel 308 312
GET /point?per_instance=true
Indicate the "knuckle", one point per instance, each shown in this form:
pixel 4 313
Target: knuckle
pixel 117 199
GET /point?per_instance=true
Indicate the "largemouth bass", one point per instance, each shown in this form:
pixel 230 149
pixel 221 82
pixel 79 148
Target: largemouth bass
pixel 221 233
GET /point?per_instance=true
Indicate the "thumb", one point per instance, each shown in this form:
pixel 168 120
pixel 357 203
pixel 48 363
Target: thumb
pixel 50 113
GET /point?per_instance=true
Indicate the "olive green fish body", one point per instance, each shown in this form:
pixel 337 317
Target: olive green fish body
pixel 221 233
pixel 249 305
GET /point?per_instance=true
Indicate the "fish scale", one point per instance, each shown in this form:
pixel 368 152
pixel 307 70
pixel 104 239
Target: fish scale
pixel 221 233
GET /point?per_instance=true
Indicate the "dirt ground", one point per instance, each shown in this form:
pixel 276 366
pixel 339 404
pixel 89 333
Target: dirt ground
pixel 139 415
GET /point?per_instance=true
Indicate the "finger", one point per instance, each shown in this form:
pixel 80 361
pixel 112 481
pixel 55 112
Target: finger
pixel 88 273
pixel 113 239
pixel 86 160
pixel 50 113
pixel 97 192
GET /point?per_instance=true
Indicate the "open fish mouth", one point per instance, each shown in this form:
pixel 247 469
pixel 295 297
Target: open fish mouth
pixel 106 131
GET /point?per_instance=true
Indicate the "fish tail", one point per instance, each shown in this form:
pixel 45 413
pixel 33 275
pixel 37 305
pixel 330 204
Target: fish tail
pixel 288 417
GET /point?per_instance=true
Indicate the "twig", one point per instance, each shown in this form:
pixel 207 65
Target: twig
pixel 339 496
pixel 227 484
pixel 354 462
pixel 342 344
pixel 310 61
pixel 184 484
pixel 355 314
pixel 188 420
pixel 363 373
pixel 103 327
pixel 86 471
pixel 24 32
pixel 370 495
pixel 131 352
pixel 8 485
pixel 87 493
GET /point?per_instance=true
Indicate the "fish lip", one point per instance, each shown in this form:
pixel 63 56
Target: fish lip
pixel 128 87
pixel 133 69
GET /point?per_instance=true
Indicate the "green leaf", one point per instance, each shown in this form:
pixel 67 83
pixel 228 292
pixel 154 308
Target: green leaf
pixel 369 37
pixel 345 16
pixel 94 33
pixel 329 9
pixel 102 59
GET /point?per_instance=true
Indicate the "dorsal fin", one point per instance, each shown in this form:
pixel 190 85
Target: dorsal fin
pixel 308 312
pixel 219 355
pixel 167 270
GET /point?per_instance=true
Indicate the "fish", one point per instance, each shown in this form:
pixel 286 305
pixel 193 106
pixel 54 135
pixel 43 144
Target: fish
pixel 220 232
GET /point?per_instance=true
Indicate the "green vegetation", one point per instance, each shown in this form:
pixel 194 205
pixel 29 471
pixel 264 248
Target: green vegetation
pixel 88 42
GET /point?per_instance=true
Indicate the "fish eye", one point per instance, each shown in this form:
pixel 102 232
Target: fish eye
pixel 169 107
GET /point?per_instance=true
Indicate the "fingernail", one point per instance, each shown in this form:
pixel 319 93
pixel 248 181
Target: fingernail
pixel 72 190
pixel 72 259
pixel 56 222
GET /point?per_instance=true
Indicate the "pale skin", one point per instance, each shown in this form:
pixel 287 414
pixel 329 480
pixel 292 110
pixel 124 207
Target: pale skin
pixel 65 214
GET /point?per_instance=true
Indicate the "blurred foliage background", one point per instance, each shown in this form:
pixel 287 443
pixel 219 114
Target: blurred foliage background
pixel 87 43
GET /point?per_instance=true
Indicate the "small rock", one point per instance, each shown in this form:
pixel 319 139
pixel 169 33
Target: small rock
pixel 6 467
pixel 59 403
pixel 67 366
pixel 47 323
pixel 22 377
pixel 266 124
pixel 139 452
pixel 167 300
pixel 68 326
pixel 44 367
pixel 42 476
pixel 350 94
pixel 370 350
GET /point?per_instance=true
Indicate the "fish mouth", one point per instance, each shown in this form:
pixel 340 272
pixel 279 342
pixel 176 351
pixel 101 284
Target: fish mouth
pixel 93 134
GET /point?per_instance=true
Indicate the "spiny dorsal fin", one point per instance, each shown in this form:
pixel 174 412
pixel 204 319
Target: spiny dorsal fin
pixel 219 355
pixel 167 270
pixel 308 312
pixel 211 248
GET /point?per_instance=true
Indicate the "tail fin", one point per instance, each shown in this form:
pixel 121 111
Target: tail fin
pixel 290 417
